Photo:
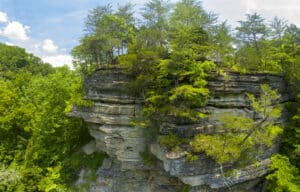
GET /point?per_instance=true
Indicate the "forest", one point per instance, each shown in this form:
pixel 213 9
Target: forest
pixel 169 52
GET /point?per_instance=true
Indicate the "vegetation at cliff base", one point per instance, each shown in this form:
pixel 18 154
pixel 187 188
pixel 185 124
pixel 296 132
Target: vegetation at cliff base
pixel 35 133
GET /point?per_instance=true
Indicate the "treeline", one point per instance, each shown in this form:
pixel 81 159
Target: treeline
pixel 169 51
pixel 37 139
pixel 255 45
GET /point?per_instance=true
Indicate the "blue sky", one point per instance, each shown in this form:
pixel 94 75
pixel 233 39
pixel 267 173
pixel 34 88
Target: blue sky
pixel 51 28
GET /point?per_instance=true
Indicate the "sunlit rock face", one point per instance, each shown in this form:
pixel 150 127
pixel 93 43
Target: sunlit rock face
pixel 109 123
pixel 109 119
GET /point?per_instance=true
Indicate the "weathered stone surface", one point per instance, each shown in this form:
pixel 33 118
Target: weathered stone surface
pixel 109 123
pixel 109 119
pixel 236 83
pixel 122 143
pixel 217 180
pixel 89 148
pixel 113 179
pixel 180 166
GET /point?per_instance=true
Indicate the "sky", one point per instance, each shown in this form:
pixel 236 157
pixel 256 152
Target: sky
pixel 51 28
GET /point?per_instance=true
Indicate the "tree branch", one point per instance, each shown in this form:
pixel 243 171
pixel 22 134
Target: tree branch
pixel 252 131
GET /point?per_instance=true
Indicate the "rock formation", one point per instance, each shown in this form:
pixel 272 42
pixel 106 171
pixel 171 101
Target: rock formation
pixel 109 123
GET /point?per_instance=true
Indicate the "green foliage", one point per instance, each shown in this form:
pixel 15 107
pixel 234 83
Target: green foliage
pixel 172 81
pixel 239 136
pixel 184 98
pixel 270 48
pixel 223 148
pixel 252 30
pixel 139 65
pixel 169 141
pixel 15 59
pixel 189 12
pixel 294 139
pixel 289 160
pixel 264 104
pixel 252 33
pixel 221 50
pixel 155 14
pixel 168 56
pixel 185 188
pixel 36 135
pixel 275 50
pixel 79 160
pixel 191 157
pixel 148 158
pixel 108 35
pixel 285 176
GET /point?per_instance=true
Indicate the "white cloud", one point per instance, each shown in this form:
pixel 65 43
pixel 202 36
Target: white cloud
pixel 10 44
pixel 58 60
pixel 251 6
pixel 17 34
pixel 49 46
pixel 43 48
pixel 234 11
pixel 15 31
pixel 3 17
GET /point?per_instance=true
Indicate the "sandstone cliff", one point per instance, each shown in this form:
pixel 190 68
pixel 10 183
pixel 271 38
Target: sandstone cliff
pixel 109 124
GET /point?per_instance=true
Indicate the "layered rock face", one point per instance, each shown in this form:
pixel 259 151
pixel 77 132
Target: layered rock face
pixel 109 122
